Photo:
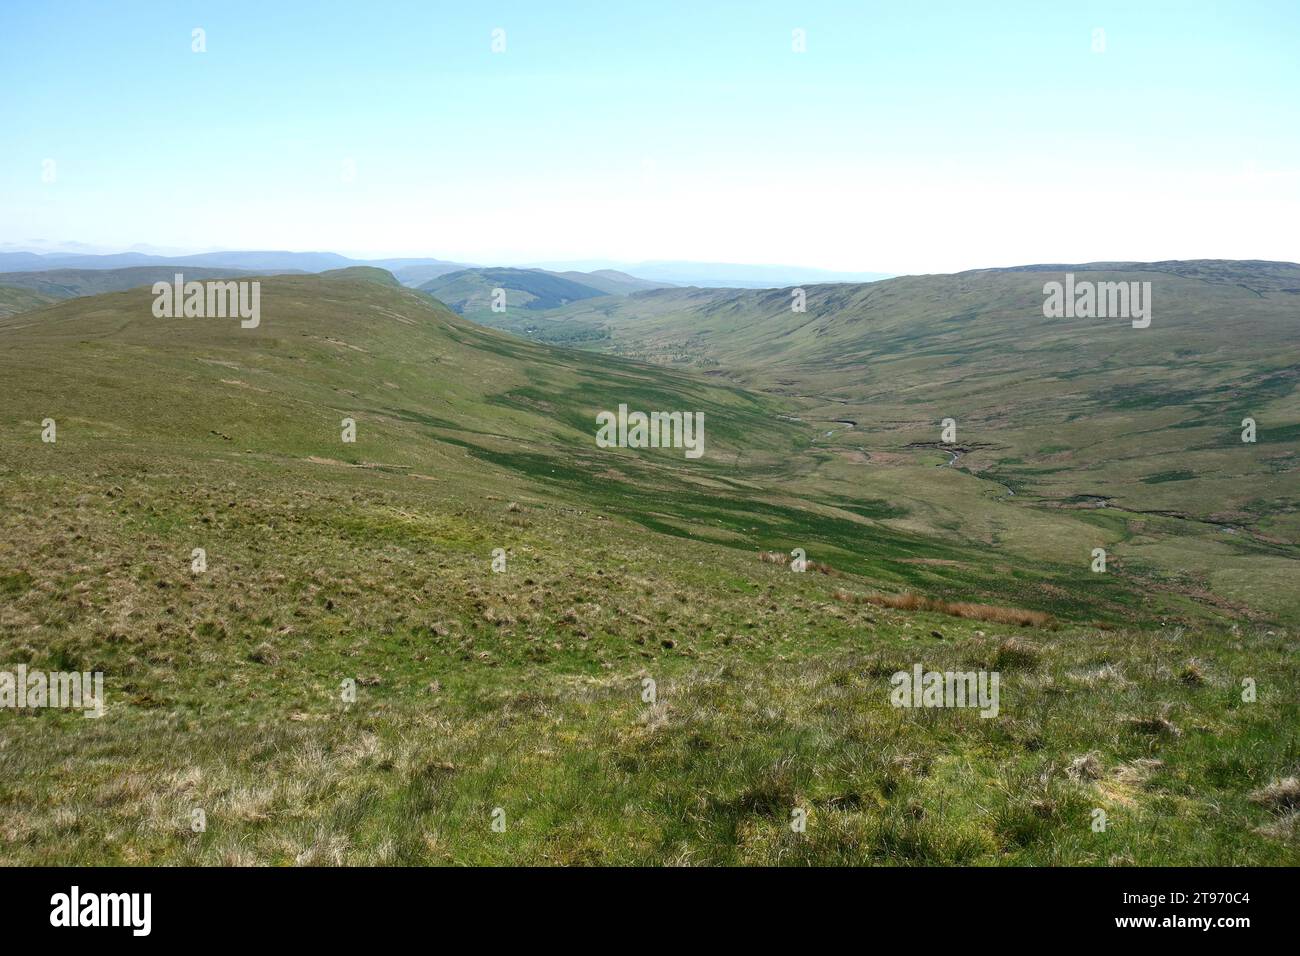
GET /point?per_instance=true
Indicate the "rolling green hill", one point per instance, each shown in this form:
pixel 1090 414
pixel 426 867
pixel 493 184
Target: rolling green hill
pixel 365 568
pixel 392 339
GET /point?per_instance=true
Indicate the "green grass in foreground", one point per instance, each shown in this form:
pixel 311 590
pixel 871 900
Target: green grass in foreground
pixel 523 691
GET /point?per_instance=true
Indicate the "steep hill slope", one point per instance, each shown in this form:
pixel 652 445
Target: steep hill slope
pixel 353 333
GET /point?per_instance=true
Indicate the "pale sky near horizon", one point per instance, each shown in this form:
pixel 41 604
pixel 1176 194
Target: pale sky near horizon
pixel 909 137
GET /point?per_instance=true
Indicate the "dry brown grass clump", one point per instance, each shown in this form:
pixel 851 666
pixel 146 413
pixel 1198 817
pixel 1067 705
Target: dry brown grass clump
pixel 1280 795
pixel 998 615
pixel 1284 827
pixel 264 654
pixel 1137 772
pixel 1086 767
pixel 977 612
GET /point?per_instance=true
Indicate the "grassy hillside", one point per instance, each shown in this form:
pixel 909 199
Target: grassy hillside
pixel 1066 428
pixel 524 690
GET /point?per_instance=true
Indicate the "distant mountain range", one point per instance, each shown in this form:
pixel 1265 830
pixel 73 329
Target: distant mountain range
pixel 718 275
pixel 408 271
pixel 611 278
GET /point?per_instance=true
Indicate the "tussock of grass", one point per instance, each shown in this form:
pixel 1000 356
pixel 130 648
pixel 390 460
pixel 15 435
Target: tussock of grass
pixel 1193 675
pixel 1013 654
pixel 1280 795
pixel 1086 767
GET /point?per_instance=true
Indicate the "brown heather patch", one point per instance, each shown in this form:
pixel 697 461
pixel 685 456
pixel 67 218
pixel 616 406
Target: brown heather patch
pixel 978 612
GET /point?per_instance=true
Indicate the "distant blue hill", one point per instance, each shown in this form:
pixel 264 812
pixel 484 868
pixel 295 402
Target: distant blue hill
pixel 254 261
pixel 610 277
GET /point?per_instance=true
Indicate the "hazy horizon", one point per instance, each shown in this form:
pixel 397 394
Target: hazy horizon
pixel 585 264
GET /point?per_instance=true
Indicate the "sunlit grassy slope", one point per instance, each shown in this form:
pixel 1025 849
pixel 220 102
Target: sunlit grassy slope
pixel 524 690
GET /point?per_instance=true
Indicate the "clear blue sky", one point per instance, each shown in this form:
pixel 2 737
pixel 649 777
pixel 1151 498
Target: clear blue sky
pixel 909 137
